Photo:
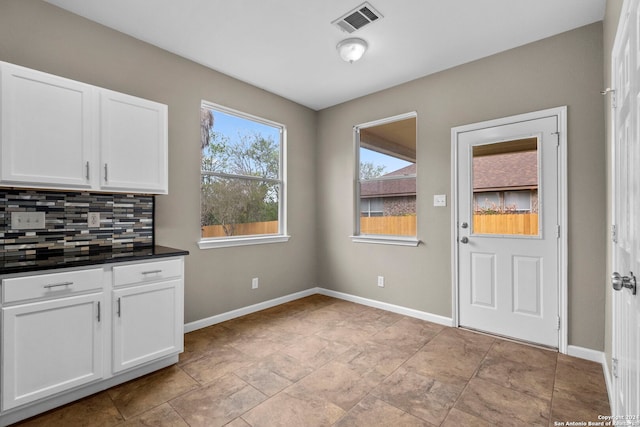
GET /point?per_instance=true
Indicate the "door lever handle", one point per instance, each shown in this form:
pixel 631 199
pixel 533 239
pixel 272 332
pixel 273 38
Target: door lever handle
pixel 620 282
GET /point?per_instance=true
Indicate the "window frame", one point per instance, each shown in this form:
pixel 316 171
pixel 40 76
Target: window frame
pixel 529 209
pixel 243 240
pixel 369 211
pixel 382 239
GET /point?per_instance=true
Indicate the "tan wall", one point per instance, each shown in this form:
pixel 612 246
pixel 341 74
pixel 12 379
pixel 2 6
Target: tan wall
pixel 610 25
pixel 562 70
pixel 40 36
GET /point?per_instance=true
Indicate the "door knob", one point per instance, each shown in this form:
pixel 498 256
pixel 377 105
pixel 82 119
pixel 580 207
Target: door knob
pixel 464 240
pixel 620 282
pixel 464 225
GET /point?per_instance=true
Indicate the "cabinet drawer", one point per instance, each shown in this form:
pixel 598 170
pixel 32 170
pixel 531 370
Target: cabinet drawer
pixel 51 285
pixel 147 272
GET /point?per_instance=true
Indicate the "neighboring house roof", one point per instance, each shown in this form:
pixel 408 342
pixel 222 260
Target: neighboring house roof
pixel 392 187
pixel 506 171
pixel 495 172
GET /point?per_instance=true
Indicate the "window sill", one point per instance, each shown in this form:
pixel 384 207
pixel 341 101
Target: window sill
pixel 241 241
pixel 386 240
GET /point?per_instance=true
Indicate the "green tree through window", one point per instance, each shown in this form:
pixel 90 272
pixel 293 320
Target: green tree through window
pixel 241 186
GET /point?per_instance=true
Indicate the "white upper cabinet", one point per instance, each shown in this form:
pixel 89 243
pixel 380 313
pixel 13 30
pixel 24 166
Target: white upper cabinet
pixel 61 134
pixel 46 130
pixel 133 143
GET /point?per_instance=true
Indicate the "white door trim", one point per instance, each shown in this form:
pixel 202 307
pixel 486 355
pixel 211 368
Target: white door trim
pixel 561 114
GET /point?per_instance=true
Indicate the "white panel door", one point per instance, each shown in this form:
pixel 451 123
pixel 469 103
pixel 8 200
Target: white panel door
pixel 133 140
pixel 46 129
pixel 49 347
pixel 626 207
pixel 508 254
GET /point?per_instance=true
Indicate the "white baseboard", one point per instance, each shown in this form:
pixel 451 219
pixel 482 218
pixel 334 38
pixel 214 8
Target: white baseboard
pixel 572 350
pixel 586 353
pixel 598 357
pixel 608 379
pixel 423 315
pixel 219 318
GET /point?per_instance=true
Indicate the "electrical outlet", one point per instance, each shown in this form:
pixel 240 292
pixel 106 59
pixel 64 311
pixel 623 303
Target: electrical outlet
pixel 93 219
pixel 254 283
pixel 381 281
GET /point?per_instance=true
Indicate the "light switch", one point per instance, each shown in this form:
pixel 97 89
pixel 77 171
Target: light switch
pixel 439 200
pixel 27 220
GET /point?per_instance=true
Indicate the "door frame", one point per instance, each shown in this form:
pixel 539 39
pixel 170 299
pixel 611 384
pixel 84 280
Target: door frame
pixel 561 115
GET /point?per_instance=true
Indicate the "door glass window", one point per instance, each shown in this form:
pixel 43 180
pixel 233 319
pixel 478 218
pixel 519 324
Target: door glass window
pixel 506 188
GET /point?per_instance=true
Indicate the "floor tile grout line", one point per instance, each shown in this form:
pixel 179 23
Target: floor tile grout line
pixel 349 315
pixel 177 412
pixel 473 375
pixel 115 406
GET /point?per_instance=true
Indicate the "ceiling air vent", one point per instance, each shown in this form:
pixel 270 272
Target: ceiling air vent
pixel 357 18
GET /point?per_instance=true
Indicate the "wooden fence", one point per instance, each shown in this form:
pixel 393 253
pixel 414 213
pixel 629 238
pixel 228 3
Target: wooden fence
pixel 394 225
pixel 523 224
pixel 245 229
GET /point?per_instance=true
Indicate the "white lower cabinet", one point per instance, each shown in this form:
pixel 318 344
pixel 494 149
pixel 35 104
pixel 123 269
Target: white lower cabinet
pixel 145 325
pixel 50 346
pixel 69 334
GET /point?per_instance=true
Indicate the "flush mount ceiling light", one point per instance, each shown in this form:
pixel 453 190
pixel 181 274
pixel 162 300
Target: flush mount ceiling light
pixel 352 49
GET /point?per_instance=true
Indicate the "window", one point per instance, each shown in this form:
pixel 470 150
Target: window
pixel 371 207
pixel 487 201
pixel 242 187
pixel 517 201
pixel 386 181
pixel 505 187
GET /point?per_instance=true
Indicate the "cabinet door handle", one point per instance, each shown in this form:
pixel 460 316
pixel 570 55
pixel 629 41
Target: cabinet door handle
pixel 56 285
pixel 151 272
pixel 87 167
pixel 98 311
pixel 106 172
pixel 119 312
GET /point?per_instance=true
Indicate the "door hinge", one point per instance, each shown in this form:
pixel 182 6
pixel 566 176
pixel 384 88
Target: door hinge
pixel 557 134
pixel 558 232
pixel 558 323
pixel 614 233
pixel 611 92
pixel 614 367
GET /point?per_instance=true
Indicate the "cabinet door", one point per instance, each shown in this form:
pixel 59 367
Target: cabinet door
pixel 148 323
pixel 49 347
pixel 46 129
pixel 133 144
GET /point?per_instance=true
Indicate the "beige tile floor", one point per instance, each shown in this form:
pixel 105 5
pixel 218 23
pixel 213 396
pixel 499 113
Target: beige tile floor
pixel 320 361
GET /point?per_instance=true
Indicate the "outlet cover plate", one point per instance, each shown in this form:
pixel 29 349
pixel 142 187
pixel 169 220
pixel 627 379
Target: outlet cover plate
pixel 93 219
pixel 440 200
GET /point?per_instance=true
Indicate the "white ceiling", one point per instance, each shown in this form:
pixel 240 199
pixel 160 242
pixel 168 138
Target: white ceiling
pixel 287 47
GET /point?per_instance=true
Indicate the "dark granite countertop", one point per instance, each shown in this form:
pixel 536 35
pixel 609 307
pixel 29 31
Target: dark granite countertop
pixel 78 259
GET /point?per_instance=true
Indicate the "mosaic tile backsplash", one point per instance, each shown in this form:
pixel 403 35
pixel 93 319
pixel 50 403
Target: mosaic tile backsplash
pixel 126 221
